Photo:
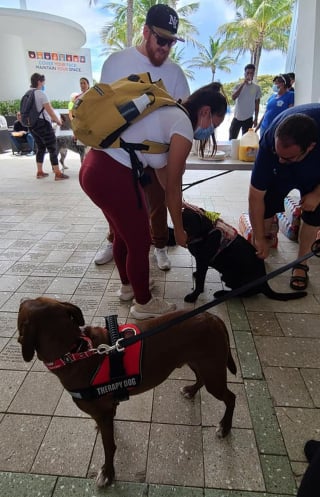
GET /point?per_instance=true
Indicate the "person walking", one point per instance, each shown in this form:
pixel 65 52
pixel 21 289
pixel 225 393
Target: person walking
pixel 106 177
pixel 279 101
pixel 288 159
pixel 159 35
pixel 247 97
pixel 43 132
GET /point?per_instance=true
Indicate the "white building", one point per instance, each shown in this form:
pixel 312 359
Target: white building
pixel 38 42
pixel 304 49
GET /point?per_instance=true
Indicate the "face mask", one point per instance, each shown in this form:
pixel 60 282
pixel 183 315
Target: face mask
pixel 275 88
pixel 43 87
pixel 203 133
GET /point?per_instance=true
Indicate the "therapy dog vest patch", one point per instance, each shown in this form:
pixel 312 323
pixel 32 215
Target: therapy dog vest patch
pixel 102 382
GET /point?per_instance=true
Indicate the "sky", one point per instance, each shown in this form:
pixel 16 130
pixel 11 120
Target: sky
pixel 211 15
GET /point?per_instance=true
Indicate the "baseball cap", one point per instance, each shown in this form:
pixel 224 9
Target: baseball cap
pixel 164 21
pixel 282 77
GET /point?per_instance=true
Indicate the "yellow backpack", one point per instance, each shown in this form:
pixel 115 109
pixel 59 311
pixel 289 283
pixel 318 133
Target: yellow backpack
pixel 102 113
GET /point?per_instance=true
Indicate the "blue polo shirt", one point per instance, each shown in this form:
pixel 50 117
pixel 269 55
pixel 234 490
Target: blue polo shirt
pixel 267 171
pixel 275 105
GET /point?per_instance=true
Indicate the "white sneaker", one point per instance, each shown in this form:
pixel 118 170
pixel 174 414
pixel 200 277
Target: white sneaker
pixel 162 259
pixel 155 307
pixel 125 292
pixel 104 255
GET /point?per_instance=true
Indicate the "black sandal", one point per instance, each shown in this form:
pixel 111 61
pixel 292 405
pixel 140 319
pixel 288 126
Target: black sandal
pixel 299 279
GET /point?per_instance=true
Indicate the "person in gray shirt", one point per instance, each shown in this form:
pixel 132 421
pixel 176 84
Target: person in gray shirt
pixel 247 97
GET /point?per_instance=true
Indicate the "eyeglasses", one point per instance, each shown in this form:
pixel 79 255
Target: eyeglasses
pixel 292 159
pixel 161 41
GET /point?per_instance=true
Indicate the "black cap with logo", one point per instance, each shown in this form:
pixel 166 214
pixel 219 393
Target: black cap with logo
pixel 164 21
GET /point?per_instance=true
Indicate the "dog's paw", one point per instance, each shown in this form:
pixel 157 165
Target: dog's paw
pixel 102 479
pixel 191 297
pixel 222 431
pixel 188 391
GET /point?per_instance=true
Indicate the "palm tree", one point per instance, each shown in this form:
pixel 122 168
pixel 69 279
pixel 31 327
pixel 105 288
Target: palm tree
pixel 129 22
pixel 213 58
pixel 176 54
pixel 259 24
pixel 125 30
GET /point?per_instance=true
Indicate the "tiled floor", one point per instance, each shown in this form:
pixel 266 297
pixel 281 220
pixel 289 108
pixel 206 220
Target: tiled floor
pixel 50 233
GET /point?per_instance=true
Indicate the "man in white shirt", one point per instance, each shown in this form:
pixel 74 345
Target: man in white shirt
pixel 247 97
pixel 160 34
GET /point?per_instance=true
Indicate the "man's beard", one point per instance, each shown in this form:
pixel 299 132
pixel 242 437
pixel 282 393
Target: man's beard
pixel 157 57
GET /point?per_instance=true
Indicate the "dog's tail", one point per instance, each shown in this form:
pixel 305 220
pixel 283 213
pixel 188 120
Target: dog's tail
pixel 231 364
pixel 268 292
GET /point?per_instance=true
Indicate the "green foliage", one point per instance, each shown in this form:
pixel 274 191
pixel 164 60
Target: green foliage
pixel 11 107
pixel 59 104
pixel 265 81
pixel 213 58
pixel 176 55
pixel 258 25
pixel 114 33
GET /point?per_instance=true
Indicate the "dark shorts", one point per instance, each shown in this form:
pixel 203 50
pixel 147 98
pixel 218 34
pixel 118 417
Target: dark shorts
pixel 274 203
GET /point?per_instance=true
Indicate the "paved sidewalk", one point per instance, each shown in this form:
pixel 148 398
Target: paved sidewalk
pixel 50 233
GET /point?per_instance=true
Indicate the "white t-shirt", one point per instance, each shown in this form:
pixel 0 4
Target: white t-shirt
pixel 41 99
pixel 159 125
pixel 131 61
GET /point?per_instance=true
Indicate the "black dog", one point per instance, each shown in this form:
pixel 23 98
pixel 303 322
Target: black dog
pixel 217 244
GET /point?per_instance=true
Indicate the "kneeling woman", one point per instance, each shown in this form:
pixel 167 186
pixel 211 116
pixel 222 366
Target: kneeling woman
pixel 106 177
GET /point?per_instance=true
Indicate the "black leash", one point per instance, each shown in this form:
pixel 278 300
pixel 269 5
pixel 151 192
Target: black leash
pixel 125 342
pixel 186 186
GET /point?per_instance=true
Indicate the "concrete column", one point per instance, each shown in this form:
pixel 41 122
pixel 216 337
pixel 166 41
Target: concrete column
pixel 307 67
pixel 13 67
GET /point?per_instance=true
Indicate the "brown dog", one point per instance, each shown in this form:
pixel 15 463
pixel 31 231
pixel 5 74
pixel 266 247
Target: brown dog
pixel 52 330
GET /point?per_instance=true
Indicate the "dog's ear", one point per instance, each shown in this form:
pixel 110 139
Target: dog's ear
pixel 27 339
pixel 194 222
pixel 189 219
pixel 74 312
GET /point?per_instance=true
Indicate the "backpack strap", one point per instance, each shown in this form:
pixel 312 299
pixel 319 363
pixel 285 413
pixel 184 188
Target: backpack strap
pixel 138 174
pixel 41 111
pixel 145 147
pixel 148 146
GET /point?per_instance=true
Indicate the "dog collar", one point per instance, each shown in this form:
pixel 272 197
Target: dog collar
pixel 201 238
pixel 70 357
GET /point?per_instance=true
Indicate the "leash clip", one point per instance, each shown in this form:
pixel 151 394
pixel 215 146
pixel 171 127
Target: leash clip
pixel 104 348
pixel 118 346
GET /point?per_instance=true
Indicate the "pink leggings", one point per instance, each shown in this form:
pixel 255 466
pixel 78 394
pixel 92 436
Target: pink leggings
pixel 110 186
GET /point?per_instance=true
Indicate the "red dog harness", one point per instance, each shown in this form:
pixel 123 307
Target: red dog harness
pixel 102 381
